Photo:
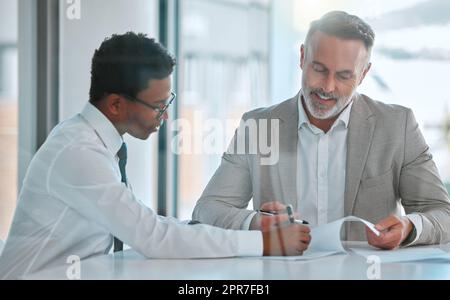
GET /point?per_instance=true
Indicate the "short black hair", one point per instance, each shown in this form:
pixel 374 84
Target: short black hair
pixel 343 25
pixel 125 63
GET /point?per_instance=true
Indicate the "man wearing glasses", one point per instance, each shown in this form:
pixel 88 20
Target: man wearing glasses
pixel 76 198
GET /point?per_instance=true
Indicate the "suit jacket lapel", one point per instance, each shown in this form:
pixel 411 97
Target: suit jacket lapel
pixel 360 133
pixel 286 175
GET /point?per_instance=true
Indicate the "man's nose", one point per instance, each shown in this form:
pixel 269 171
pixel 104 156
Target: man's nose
pixel 330 84
pixel 165 116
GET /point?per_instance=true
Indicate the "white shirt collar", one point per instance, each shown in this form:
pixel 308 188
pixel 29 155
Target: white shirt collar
pixel 103 127
pixel 344 117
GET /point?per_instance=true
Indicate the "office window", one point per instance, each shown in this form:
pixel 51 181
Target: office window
pixel 8 114
pixel 411 58
pixel 224 60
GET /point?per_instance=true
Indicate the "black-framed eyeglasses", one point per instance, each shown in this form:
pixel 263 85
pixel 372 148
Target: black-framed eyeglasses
pixel 161 110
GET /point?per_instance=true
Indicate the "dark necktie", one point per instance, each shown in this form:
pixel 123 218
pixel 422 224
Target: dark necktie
pixel 122 154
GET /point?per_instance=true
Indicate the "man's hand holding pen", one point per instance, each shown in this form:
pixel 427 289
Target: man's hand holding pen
pixel 282 233
pixel 264 220
pixel 274 214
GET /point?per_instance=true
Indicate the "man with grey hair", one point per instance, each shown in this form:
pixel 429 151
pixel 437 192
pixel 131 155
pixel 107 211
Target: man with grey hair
pixel 341 153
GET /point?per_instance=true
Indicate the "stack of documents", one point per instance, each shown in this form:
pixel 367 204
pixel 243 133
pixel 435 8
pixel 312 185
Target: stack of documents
pixel 326 241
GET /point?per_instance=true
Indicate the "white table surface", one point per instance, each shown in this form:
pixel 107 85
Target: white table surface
pixel 131 265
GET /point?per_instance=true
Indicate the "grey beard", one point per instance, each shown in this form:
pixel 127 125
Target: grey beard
pixel 318 113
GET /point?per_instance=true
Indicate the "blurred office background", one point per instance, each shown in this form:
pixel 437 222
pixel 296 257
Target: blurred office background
pixel 233 56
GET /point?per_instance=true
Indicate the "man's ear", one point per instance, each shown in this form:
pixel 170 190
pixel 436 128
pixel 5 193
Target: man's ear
pixel 302 56
pixel 366 70
pixel 115 105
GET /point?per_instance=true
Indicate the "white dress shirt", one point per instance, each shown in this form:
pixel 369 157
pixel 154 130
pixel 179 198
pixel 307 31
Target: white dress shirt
pixel 73 202
pixel 321 168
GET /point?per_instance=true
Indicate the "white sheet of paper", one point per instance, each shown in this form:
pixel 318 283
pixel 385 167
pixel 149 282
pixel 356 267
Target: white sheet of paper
pixel 403 254
pixel 327 237
pixel 325 240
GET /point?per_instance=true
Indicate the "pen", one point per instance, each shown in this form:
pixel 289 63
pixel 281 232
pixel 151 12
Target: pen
pixel 274 213
pixel 268 212
pixel 290 212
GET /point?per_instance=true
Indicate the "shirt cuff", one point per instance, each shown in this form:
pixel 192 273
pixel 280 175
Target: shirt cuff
pixel 248 221
pixel 417 222
pixel 250 243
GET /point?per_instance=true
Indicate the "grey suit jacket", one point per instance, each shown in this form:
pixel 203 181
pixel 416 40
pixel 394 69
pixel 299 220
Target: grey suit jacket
pixel 388 165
